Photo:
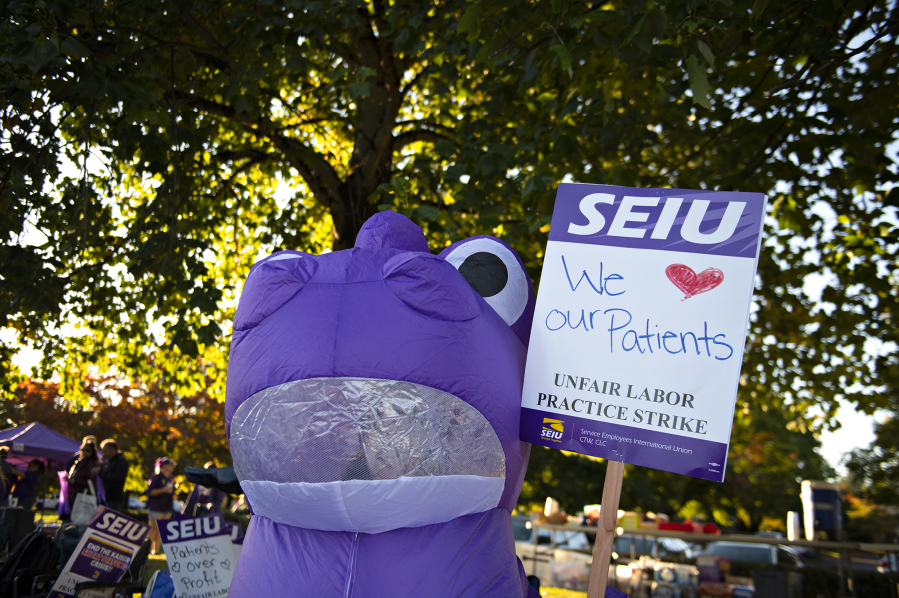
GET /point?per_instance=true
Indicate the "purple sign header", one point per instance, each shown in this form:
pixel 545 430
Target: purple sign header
pixel 192 528
pixel 709 222
pixel 120 526
pixel 659 450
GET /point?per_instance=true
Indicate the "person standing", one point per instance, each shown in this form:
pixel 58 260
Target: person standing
pixel 9 474
pixel 26 488
pixel 114 473
pixel 83 471
pixel 160 498
pixel 89 439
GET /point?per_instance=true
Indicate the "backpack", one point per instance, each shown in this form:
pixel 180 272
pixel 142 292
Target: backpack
pixel 67 539
pixel 35 551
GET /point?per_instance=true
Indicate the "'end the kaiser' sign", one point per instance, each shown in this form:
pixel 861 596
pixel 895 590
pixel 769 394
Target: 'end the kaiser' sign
pixel 640 323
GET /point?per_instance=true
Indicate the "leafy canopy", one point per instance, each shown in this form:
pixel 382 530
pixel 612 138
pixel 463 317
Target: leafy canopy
pixel 874 471
pixel 145 422
pixel 152 151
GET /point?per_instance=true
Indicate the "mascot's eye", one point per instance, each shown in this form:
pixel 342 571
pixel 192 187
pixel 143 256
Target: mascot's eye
pixel 485 272
pixel 494 272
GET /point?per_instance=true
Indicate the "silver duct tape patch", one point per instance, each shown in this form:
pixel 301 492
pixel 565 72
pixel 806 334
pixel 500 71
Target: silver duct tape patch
pixel 340 429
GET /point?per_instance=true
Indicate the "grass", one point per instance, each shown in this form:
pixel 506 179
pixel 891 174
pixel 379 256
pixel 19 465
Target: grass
pixel 155 562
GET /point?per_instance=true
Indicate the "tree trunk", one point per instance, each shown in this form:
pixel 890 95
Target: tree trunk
pixel 352 207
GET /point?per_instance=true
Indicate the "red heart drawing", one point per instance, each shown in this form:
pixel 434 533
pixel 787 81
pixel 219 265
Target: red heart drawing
pixel 691 283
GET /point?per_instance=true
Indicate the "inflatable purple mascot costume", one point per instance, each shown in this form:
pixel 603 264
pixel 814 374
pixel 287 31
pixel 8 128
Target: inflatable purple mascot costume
pixel 373 410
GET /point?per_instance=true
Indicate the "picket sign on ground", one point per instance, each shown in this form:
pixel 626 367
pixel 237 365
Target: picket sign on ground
pixel 200 555
pixel 104 553
pixel 638 333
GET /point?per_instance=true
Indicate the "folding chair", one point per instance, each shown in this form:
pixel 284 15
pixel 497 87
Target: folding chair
pixel 41 583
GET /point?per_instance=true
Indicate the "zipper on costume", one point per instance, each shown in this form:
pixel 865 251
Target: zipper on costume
pixel 351 567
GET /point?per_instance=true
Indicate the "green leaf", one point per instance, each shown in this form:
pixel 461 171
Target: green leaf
pixel 635 30
pixel 758 8
pixel 707 52
pixel 564 57
pixel 445 148
pixel 454 172
pixel 359 89
pixel 429 213
pixel 487 53
pixel 469 21
pixel 34 58
pixel 242 104
pixel 556 6
pixel 72 47
pixel 699 83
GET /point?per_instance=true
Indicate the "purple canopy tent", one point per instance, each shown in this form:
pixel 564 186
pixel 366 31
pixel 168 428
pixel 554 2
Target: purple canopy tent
pixel 36 441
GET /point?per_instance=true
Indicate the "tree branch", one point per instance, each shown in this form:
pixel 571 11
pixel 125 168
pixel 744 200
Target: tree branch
pixel 410 137
pixel 418 76
pixel 201 31
pixel 427 123
pixel 215 53
pixel 318 173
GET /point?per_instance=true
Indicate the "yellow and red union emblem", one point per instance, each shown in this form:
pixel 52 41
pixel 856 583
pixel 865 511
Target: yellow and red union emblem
pixel 552 429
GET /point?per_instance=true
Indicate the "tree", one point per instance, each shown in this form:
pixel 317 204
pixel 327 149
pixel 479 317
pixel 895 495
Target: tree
pixel 184 119
pixel 874 471
pixel 866 521
pixel 146 422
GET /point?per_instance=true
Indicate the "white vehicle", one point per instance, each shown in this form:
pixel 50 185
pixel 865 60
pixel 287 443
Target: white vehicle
pixel 755 553
pixel 48 502
pixel 560 558
pixel 136 503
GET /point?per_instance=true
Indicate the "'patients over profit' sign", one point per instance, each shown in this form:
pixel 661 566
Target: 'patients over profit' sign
pixel 640 323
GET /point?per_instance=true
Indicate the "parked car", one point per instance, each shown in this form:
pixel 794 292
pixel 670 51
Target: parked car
pixel 628 547
pixel 136 503
pixel 573 548
pixel 755 553
pixel 569 540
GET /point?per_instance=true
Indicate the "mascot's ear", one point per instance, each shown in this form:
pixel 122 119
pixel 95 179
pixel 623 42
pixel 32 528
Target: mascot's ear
pixel 497 274
pixel 272 283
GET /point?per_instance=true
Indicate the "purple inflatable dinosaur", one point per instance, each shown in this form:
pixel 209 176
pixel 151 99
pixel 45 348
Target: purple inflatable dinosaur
pixel 373 410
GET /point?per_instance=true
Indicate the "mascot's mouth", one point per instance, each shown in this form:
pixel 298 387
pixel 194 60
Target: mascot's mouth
pixel 364 454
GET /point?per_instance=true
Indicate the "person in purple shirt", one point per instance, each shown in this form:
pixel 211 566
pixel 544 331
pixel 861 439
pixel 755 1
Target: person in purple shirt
pixel 160 498
pixel 26 487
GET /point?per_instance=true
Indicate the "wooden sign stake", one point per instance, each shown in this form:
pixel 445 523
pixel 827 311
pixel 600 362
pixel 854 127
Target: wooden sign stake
pixel 605 534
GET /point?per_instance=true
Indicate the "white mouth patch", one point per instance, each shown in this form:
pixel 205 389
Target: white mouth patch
pixel 362 454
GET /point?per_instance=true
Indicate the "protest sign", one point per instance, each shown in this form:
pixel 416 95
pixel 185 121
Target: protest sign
pixel 640 323
pixel 200 555
pixel 103 554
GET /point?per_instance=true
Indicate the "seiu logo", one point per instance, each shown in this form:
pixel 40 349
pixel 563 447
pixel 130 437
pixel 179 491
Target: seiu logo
pixel 661 228
pixel 121 526
pixel 552 429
